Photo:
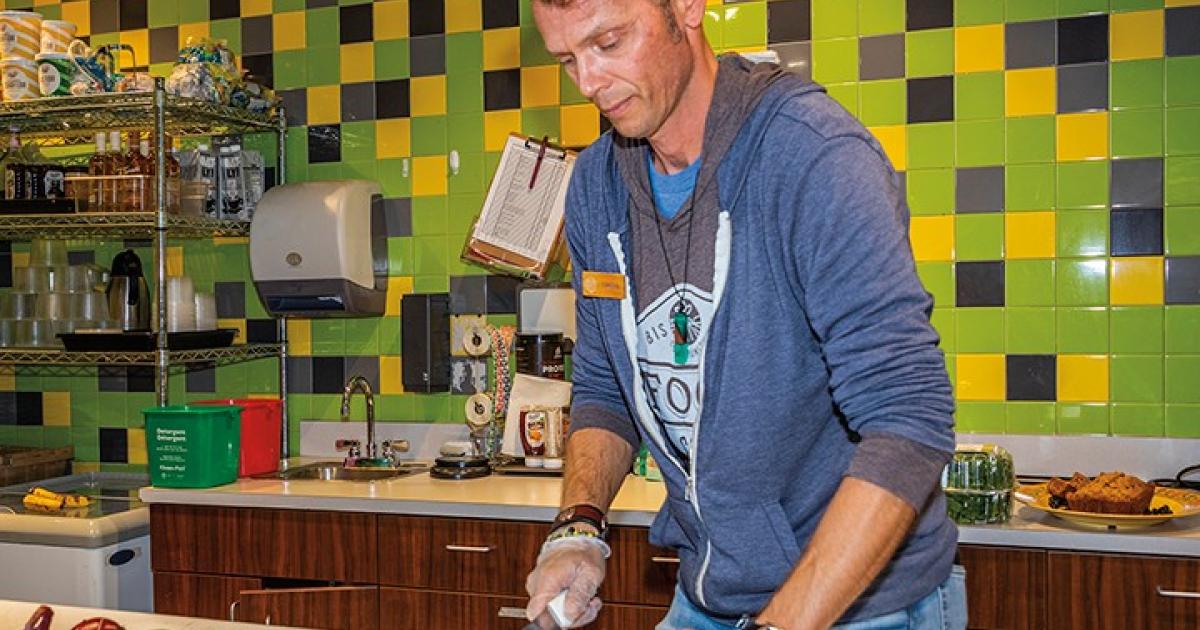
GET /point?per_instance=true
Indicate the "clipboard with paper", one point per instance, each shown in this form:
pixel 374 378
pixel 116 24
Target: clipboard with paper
pixel 520 228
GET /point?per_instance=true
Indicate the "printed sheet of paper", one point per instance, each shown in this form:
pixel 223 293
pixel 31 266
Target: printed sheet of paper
pixel 521 219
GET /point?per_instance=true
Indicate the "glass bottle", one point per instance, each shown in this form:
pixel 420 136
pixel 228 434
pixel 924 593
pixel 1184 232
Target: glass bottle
pixel 114 165
pixel 96 167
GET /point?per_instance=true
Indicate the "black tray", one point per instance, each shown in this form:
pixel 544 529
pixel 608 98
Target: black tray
pixel 38 206
pixel 147 341
pixel 519 468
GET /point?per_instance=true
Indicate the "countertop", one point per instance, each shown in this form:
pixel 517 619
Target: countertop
pixel 524 498
pixel 14 614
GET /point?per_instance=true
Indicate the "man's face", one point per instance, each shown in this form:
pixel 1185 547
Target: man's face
pixel 626 56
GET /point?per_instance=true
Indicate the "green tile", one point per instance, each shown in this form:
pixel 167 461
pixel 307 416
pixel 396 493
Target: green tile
pixel 432 284
pixel 1181 85
pixel 1082 330
pixel 470 174
pixel 394 408
pixel 85 409
pixel 1082 185
pixel 1136 378
pixel 321 27
pixel 192 12
pixel 1183 373
pixel 746 24
pixel 55 437
pixel 429 255
pixel 540 121
pixel 930 52
pixel 1135 5
pixel 883 102
pixel 464 209
pixel 358 141
pixel 282 6
pixel 834 18
pixel 429 135
pixel 979 95
pixel 1182 181
pixel 1082 233
pixel 465 132
pixel 464 94
pixel 391 59
pixel 1136 329
pixel 931 145
pixel 1070 8
pixel 1081 282
pixel 972 12
pixel 328 337
pixel 1029 283
pixel 1182 135
pixel 931 191
pixel 1029 187
pixel 229 31
pixel 980 143
pixel 714 29
pixel 323 65
pixel 429 216
pixel 533 49
pixel 325 172
pixel 1030 140
pixel 394 176
pixel 938 279
pixel 846 94
pixel 877 17
pixel 389 335
pixel 979 236
pixel 1082 419
pixel 362 337
pixel 50 12
pixel 111 406
pixel 1183 328
pixel 979 417
pixel 1136 84
pixel 87 443
pixel 400 256
pixel 980 329
pixel 1137 133
pixel 1033 418
pixel 1183 421
pixel 835 60
pixel 943 321
pixel 160 13
pixel 1182 231
pixel 1138 420
pixel 464 54
pixel 1030 330
pixel 1026 10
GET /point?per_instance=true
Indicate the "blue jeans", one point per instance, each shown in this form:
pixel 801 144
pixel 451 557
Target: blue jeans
pixel 943 609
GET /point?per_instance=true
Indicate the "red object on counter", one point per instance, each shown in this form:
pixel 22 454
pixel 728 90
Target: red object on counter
pixel 261 423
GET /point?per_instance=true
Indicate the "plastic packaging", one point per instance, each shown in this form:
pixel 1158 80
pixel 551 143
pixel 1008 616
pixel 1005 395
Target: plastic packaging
pixel 979 483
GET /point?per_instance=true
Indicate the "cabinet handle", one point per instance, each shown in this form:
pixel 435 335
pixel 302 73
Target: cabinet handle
pixel 233 609
pixel 1162 592
pixel 468 549
pixel 511 612
pixel 664 560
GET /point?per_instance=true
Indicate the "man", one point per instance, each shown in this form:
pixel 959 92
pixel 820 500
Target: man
pixel 748 308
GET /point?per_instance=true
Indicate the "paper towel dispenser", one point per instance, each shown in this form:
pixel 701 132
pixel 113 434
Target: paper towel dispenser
pixel 319 249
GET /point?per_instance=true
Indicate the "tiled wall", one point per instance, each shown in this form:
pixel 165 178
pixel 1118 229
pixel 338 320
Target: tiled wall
pixel 1049 148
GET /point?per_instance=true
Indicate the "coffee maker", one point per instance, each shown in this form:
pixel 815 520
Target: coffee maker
pixel 128 295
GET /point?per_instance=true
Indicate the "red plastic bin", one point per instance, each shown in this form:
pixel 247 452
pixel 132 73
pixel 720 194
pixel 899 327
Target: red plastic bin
pixel 261 424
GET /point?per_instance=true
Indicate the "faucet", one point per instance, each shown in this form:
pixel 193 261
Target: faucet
pixel 359 383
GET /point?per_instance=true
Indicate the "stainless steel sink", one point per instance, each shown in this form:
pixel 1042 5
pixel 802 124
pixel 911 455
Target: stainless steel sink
pixel 335 471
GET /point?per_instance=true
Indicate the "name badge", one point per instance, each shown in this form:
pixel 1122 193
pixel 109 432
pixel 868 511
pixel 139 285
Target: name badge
pixel 609 286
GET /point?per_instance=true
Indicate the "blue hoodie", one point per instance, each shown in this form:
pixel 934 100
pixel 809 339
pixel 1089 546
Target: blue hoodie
pixel 821 331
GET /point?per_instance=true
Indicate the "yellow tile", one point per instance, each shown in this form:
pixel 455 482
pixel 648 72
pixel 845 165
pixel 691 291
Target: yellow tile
pixel 932 238
pixel 463 16
pixel 358 62
pixel 398 287
pixel 1030 92
pixel 496 127
pixel 894 139
pixel 1137 35
pixel 231 240
pixel 429 176
pixel 1082 136
pixel 288 30
pixel 251 8
pixel 979 48
pixel 56 409
pixel 239 324
pixel 324 104
pixel 393 138
pixel 192 32
pixel 136 446
pixel 501 48
pixel 428 95
pixel 980 377
pixel 1136 280
pixel 1029 235
pixel 20 259
pixel 390 19
pixel 299 337
pixel 391 378
pixel 8 380
pixel 579 124
pixel 539 86
pixel 79 12
pixel 139 40
pixel 175 261
pixel 1081 377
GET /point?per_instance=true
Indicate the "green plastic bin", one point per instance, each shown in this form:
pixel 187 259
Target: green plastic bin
pixel 193 447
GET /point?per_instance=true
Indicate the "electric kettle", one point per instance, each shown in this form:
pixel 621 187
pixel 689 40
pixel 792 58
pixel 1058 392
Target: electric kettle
pixel 128 295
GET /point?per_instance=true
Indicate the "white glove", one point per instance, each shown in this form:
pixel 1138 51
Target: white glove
pixel 574 565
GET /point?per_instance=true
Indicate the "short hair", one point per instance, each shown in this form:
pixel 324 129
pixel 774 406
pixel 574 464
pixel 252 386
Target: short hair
pixel 663 5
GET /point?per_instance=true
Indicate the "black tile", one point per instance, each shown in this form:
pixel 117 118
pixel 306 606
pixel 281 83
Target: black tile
pixel 164 44
pixel 1083 39
pixel 357 23
pixel 358 101
pixel 1136 183
pixel 427 17
pixel 262 331
pixel 502 294
pixel 222 9
pixel 139 380
pixel 114 445
pixel 366 367
pixel 231 299
pixel 924 14
pixel 979 283
pixel 931 99
pixel 261 68
pixel 881 57
pixel 795 57
pixel 6 280
pixel 299 376
pixel 392 99
pixel 81 257
pixel 427 55
pixel 201 379
pixel 1183 31
pixel 111 379
pixel 257 35
pixel 317 4
pixel 1030 44
pixel 1183 280
pixel 789 21
pixel 1082 87
pixel 295 103
pixel 29 408
pixel 324 144
pixel 328 375
pixel 501 13
pixel 1030 376
pixel 8 408
pixel 397 214
pixel 979 190
pixel 106 16
pixel 468 295
pixel 1136 232
pixel 5 247
pixel 133 15
pixel 502 89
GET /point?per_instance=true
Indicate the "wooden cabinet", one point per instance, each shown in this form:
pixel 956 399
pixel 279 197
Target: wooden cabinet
pixel 413 608
pixel 1006 588
pixel 1100 592
pixel 195 595
pixel 335 608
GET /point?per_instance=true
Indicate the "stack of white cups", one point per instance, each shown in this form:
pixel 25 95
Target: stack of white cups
pixel 181 304
pixel 20 41
pixel 206 311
